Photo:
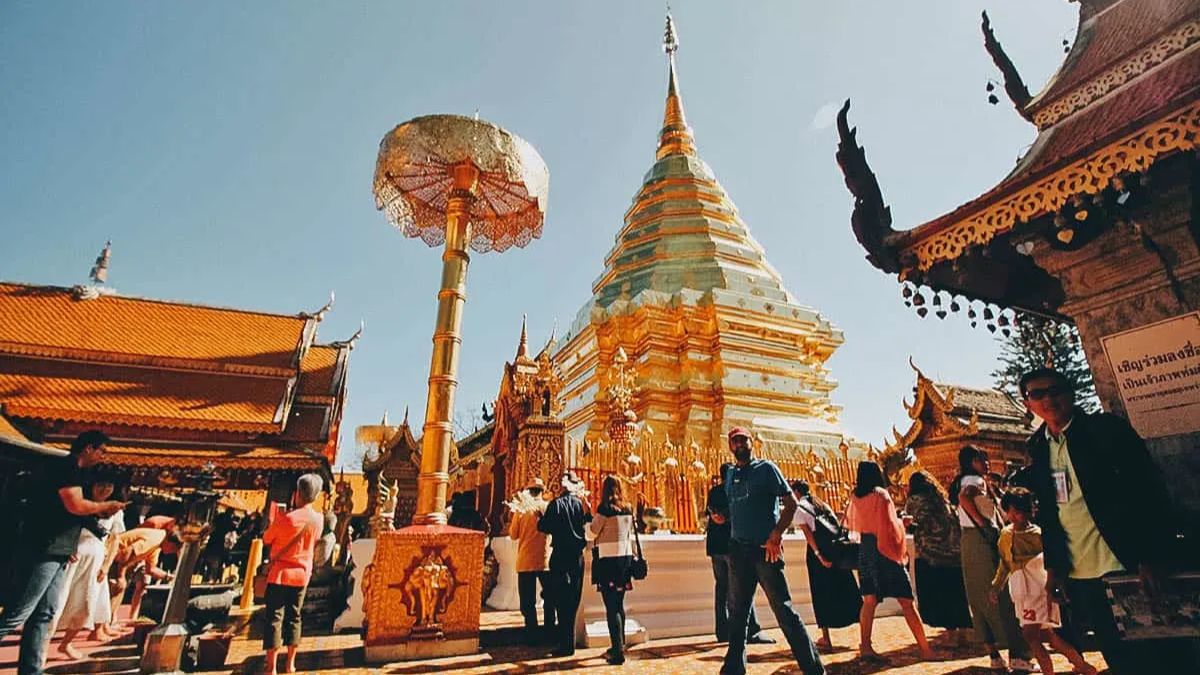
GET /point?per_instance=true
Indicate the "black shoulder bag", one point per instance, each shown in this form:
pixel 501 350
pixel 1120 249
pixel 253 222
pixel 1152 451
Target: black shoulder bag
pixel 638 568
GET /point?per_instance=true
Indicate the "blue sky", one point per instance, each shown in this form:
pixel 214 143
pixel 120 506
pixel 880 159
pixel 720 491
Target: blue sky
pixel 227 149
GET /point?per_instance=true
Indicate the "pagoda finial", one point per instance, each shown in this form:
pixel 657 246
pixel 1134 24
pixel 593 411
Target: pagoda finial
pixel 1014 86
pixel 675 138
pixel 523 345
pixel 99 273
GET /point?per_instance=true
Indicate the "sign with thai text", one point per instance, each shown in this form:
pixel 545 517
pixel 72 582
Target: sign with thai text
pixel 1158 374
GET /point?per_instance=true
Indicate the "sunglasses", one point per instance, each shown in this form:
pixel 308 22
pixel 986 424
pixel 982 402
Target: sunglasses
pixel 1039 394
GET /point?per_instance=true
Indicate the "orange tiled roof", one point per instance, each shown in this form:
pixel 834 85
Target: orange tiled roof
pixel 264 458
pixel 317 371
pixel 101 394
pixel 49 321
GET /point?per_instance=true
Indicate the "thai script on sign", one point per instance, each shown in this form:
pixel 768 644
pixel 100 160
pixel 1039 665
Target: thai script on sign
pixel 1188 351
pixel 1157 369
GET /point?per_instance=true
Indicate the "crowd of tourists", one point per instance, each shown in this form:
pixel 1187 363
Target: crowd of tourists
pixel 1020 561
pixel 1014 562
pixel 82 554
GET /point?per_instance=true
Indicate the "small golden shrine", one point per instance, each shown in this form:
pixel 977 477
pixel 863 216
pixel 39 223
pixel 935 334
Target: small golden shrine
pixel 1094 227
pixel 524 440
pixel 391 464
pixel 945 417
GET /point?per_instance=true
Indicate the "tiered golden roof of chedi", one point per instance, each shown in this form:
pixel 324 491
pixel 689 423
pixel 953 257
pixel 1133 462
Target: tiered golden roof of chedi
pixel 175 385
pixel 715 337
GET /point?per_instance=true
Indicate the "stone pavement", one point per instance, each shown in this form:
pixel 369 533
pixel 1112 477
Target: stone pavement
pixel 678 656
pixel 343 654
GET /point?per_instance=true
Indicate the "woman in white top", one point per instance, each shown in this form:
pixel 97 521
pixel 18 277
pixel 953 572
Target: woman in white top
pixel 85 605
pixel 612 559
pixel 995 625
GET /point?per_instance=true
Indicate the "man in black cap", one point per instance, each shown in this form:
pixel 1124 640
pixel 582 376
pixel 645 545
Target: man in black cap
pixel 565 520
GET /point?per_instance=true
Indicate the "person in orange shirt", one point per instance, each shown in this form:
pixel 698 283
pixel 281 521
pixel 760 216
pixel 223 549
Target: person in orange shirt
pixel 882 557
pixel 533 556
pixel 292 537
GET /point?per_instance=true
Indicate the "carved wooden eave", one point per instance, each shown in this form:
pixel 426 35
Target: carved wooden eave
pixel 1126 97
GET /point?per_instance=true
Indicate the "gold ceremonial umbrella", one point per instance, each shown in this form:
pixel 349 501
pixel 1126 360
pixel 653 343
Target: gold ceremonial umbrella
pixel 458 181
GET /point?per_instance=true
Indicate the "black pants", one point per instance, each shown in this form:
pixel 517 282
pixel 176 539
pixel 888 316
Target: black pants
pixel 614 611
pixel 723 600
pixel 527 583
pixel 748 568
pixel 283 615
pixel 1090 610
pixel 566 588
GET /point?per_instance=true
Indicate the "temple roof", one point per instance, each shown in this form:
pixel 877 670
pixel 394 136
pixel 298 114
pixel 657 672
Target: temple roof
pixel 944 410
pixel 1127 95
pixel 55 322
pixel 169 377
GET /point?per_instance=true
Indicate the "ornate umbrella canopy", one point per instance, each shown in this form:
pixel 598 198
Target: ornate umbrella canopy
pixel 414 177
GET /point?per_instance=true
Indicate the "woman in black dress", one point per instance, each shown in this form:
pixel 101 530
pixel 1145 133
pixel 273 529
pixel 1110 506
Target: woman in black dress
pixel 940 595
pixel 835 596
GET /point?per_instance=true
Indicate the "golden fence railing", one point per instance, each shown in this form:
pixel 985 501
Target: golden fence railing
pixel 676 478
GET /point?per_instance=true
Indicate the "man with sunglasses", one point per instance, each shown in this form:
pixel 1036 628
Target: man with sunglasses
pixel 1084 469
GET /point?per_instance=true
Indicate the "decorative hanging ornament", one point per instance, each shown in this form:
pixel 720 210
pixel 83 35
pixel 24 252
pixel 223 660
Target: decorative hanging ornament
pixel 918 299
pixel 941 313
pixel 906 291
pixel 922 311
pixel 988 314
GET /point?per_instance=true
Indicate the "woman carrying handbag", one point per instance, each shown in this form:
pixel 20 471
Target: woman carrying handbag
pixel 613 565
pixel 292 537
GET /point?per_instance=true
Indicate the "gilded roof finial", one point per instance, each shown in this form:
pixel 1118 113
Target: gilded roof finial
pixel 99 273
pixel 675 137
pixel 523 345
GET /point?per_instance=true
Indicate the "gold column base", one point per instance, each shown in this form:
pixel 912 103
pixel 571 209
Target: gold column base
pixel 423 593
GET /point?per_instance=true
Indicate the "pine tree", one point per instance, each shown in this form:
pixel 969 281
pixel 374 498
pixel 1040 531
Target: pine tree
pixel 1037 342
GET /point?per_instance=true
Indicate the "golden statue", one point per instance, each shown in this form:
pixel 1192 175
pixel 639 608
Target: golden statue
pixel 429 588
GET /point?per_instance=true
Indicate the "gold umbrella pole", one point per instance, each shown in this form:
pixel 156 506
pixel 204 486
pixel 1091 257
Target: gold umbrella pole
pixel 443 365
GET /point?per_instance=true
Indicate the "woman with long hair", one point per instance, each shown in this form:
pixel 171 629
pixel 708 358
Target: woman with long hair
pixel 882 556
pixel 940 595
pixel 835 595
pixel 612 525
pixel 978 516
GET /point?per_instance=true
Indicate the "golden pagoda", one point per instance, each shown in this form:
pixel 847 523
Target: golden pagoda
pixel 714 336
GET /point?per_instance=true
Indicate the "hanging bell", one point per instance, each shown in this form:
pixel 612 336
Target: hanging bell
pixel 937 300
pixel 918 299
pixel 988 313
pixel 971 313
pixel 990 86
pixel 907 291
pixel 922 311
pixel 954 306
pixel 1003 320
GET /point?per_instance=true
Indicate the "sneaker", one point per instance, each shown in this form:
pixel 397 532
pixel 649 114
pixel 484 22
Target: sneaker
pixel 1023 666
pixel 760 639
pixel 997 663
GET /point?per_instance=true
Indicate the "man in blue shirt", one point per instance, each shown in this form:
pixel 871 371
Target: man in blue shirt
pixel 761 506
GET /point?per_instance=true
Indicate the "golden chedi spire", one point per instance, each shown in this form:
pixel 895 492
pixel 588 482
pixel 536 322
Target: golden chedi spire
pixel 676 136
